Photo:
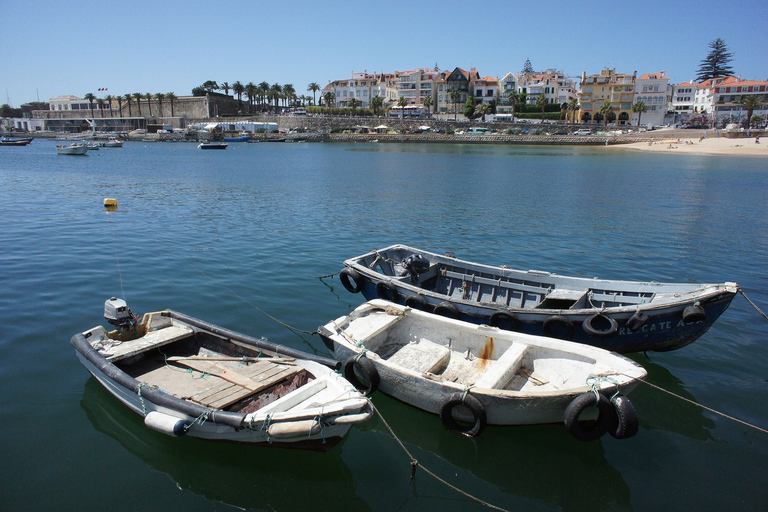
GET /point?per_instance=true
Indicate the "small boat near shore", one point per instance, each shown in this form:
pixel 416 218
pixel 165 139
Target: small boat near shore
pixel 480 374
pixel 212 145
pixel 5 141
pixel 76 148
pixel 623 316
pixel 242 138
pixel 113 143
pixel 189 377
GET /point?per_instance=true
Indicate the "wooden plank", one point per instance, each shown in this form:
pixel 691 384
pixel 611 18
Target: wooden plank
pixel 150 340
pixel 219 371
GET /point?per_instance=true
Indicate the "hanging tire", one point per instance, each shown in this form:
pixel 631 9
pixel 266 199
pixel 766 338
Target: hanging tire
pixel 590 329
pixel 479 419
pixel 554 323
pixel 447 310
pixel 351 280
pixel 417 302
pixel 504 320
pixel 694 313
pixel 387 291
pixel 625 425
pixel 592 430
pixel 637 321
pixel 363 367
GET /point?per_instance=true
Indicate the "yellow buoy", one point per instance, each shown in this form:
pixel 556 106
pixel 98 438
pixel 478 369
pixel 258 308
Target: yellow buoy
pixel 110 204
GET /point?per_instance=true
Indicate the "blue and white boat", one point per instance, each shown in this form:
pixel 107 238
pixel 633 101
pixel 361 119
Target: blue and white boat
pixel 623 316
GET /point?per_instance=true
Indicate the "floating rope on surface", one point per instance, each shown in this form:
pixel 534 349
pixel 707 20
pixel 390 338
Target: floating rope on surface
pixel 741 290
pixel 415 463
pixel 705 407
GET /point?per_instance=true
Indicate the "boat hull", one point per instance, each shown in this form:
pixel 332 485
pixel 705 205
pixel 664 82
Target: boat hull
pixel 664 329
pixel 429 392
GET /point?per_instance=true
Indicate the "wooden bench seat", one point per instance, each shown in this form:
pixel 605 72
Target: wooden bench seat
pixel 504 368
pixel 424 357
pixel 152 339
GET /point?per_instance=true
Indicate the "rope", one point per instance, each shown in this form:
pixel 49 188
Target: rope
pixel 753 304
pixel 141 399
pixel 594 385
pixel 415 463
pixel 705 407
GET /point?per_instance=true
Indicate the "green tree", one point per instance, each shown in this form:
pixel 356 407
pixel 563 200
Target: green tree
pixel 639 108
pixel 289 92
pixel 329 98
pixel 90 97
pixel 237 88
pixel 210 85
pixel 715 65
pixel 159 97
pixel 263 93
pixel 119 104
pixel 751 103
pixel 427 102
pixel 250 93
pixel 402 102
pixel 377 102
pixel 148 97
pixel 137 96
pixel 514 99
pixel 469 107
pixel 170 97
pixel 573 107
pixel 128 100
pixel 100 103
pixel 541 102
pixel 274 93
pixel 455 95
pixel 353 104
pixel 605 109
pixel 527 67
pixel 482 110
pixel 108 98
pixel 313 88
pixel 225 87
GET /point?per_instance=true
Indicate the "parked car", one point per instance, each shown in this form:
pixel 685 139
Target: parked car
pixel 583 131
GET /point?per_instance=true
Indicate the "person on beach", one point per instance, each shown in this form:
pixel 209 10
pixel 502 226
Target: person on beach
pixel 757 139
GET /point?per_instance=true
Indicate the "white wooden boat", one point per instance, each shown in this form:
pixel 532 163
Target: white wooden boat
pixel 186 376
pixel 113 143
pixel 76 148
pixel 442 365
pixel 623 316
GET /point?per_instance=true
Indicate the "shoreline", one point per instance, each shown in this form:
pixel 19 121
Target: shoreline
pixel 713 146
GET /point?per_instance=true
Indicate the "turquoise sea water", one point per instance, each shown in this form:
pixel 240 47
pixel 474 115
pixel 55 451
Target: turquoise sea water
pixel 225 235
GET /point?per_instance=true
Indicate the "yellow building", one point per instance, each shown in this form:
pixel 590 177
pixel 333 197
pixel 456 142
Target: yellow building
pixel 615 88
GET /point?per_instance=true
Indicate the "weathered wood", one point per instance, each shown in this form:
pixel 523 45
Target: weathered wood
pixel 150 340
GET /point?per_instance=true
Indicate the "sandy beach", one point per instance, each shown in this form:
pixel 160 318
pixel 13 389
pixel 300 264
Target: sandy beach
pixel 707 146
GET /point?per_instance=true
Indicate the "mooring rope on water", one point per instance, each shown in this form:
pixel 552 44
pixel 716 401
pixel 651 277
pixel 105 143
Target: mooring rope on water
pixel 416 464
pixel 741 290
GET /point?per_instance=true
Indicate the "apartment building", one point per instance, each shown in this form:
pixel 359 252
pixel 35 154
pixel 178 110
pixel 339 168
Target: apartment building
pixel 486 90
pixel 683 96
pixel 655 91
pixel 607 86
pixel 363 86
pixel 460 80
pixel 551 83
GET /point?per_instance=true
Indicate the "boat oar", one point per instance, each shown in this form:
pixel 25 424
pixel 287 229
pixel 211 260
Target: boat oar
pixel 244 359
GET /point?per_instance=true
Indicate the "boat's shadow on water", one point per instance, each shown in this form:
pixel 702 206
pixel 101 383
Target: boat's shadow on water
pixel 240 475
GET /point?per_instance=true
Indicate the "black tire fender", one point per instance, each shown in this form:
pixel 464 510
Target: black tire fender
pixel 387 291
pixel 361 365
pixel 613 326
pixel 694 313
pixel 625 425
pixel 479 417
pixel 351 280
pixel 595 429
pixel 504 320
pixel 447 310
pixel 417 301
pixel 555 321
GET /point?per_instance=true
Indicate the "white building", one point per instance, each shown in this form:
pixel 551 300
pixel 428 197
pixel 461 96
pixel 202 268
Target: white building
pixel 551 83
pixel 417 84
pixel 69 102
pixel 683 97
pixel 363 86
pixel 655 91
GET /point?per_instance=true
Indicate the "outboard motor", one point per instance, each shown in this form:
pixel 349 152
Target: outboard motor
pixel 416 264
pixel 117 312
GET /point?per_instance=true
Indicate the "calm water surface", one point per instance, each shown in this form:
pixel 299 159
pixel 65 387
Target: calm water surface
pixel 220 235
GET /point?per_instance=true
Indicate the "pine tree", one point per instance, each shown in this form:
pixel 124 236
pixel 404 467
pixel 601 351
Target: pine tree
pixel 527 67
pixel 716 63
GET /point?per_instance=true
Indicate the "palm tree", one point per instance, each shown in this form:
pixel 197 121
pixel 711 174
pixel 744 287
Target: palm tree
pixel 402 102
pixel 137 96
pixel 639 108
pixel 313 87
pixel 263 93
pixel 353 104
pixel 274 92
pixel 159 97
pixel 225 87
pixel 329 97
pixel 573 106
pixel 119 104
pixel 148 97
pixel 513 98
pixel 541 102
pixel 237 88
pixel 482 109
pixel 170 97
pixel 108 98
pixel 564 111
pixel 128 100
pixel 289 92
pixel 90 97
pixel 250 92
pixel 427 102
pixel 605 109
pixel 100 104
pixel 376 103
pixel 455 95
pixel 751 103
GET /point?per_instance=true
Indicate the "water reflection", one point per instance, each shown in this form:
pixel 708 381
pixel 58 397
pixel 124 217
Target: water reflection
pixel 235 474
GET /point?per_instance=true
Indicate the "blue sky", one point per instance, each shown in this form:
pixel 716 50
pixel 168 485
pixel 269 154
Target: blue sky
pixel 51 48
